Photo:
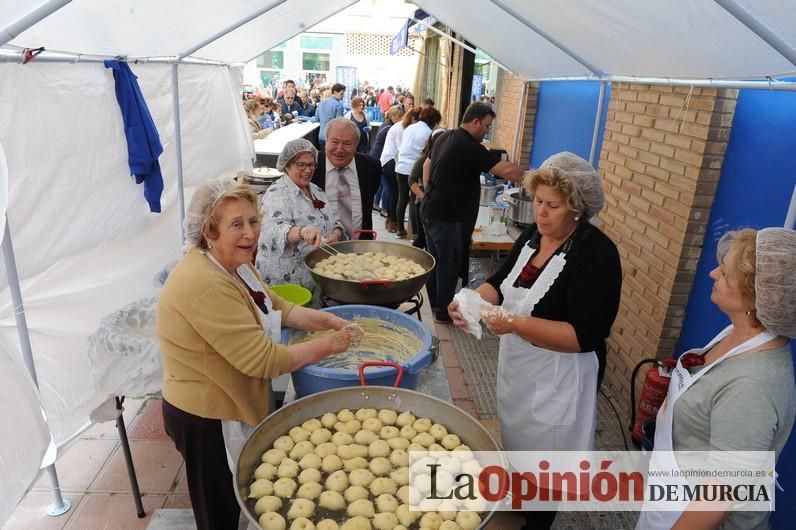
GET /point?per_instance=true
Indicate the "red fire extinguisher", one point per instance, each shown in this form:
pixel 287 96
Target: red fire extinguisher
pixel 656 385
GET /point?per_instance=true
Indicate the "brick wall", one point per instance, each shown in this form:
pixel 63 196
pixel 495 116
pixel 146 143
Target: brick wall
pixel 660 162
pixel 509 106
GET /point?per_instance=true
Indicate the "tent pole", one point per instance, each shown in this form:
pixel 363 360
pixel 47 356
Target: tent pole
pixel 597 122
pixel 463 45
pixel 175 98
pixel 198 46
pixel 59 505
pixel 549 38
pixel 759 28
pixel 10 32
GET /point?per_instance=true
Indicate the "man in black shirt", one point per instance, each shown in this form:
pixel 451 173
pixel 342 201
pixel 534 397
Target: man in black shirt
pixel 450 207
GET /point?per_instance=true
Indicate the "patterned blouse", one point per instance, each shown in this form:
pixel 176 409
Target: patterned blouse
pixel 284 205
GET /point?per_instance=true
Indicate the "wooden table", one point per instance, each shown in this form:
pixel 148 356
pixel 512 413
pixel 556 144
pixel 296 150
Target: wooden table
pixel 497 246
pixel 267 149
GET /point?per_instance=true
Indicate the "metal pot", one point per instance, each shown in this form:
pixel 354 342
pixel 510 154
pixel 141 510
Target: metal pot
pixel 489 193
pixel 384 293
pixel 520 206
pixel 456 420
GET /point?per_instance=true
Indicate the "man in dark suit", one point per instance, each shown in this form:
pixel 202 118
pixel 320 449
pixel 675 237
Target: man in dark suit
pixel 350 179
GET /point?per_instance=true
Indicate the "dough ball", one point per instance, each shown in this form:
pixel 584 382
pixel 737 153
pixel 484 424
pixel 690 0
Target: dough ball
pixel 364 414
pixel 416 448
pixel 403 495
pixel 424 439
pixel 438 431
pixel 399 458
pixel 284 443
pixel 472 468
pixel 310 461
pixel 408 432
pixel 301 449
pixel 320 436
pixel 357 523
pixel 272 521
pixel 388 432
pixel 337 481
pixel 327 524
pixel 387 416
pixel 372 424
pixel 309 491
pixel 300 508
pixel 468 520
pixel 448 510
pixel 385 521
pixel 361 477
pixel 284 487
pixel 288 469
pixel 422 425
pixel 299 434
pixel 364 437
pixel 383 485
pixel 309 475
pixel 273 456
pixel 268 503
pixel 260 488
pixel 386 503
pixel 451 465
pixel 362 507
pixel 431 520
pixel 378 448
pixel 265 470
pixel 400 476
pixel 437 448
pixel 328 420
pixel 450 442
pixel 326 449
pixel 331 500
pixel 399 443
pixel 448 525
pixel 331 463
pixel 405 418
pixel 463 453
pixel 406 516
pixel 350 427
pixel 342 438
pixel 355 463
pixel 345 415
pixel 302 523
pixel 380 466
pixel 311 425
pixel 355 493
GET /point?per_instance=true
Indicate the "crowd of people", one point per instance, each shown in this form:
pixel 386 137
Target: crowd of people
pixel 553 300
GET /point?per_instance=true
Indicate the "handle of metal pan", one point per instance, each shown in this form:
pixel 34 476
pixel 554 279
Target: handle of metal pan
pixel 380 363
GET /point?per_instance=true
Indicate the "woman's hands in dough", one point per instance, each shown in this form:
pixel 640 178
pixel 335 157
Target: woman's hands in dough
pixel 499 321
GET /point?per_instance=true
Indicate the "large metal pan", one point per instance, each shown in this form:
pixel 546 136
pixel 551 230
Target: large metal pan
pixel 372 292
pixel 456 420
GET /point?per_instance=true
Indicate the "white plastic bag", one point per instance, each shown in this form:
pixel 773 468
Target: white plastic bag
pixel 470 306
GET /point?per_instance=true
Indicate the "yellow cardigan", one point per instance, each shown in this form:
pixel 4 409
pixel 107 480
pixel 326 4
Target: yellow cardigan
pixel 217 361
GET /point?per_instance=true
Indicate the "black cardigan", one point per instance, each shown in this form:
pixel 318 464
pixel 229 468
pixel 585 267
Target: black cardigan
pixel 586 293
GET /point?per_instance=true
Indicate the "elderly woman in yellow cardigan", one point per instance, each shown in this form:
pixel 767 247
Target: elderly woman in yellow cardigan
pixel 218 328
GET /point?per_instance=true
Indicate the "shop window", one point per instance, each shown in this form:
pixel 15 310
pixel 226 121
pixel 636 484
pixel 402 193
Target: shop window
pixel 315 61
pixel 272 59
pixel 313 42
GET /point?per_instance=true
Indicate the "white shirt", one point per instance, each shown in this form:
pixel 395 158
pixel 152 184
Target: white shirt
pixel 412 143
pixel 353 182
pixel 392 143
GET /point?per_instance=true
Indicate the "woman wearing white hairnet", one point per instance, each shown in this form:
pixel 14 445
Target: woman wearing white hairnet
pixel 558 292
pixel 297 217
pixel 218 326
pixel 737 393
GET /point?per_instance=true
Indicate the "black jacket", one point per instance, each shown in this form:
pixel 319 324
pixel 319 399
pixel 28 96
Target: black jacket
pixel 369 173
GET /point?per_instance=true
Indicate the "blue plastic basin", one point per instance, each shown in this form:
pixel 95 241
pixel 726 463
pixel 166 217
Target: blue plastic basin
pixel 313 378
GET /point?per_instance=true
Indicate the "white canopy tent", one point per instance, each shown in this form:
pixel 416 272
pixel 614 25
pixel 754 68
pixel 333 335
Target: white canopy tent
pixel 88 250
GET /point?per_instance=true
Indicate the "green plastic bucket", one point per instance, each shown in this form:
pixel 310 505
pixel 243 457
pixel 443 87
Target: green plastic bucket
pixel 293 293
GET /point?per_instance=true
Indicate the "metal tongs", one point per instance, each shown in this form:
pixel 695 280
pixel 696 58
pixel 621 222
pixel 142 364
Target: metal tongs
pixel 329 249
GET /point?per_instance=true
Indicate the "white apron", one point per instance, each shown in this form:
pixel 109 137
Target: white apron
pixel 662 457
pixel 236 432
pixel 546 400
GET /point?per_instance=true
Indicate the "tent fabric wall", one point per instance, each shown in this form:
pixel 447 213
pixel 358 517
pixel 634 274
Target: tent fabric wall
pixel 86 245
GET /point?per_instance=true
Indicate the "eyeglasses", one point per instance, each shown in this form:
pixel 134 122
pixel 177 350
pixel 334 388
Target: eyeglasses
pixel 302 166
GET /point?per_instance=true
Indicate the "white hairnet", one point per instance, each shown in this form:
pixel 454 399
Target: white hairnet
pixel 292 149
pixel 204 198
pixel 585 179
pixel 775 280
